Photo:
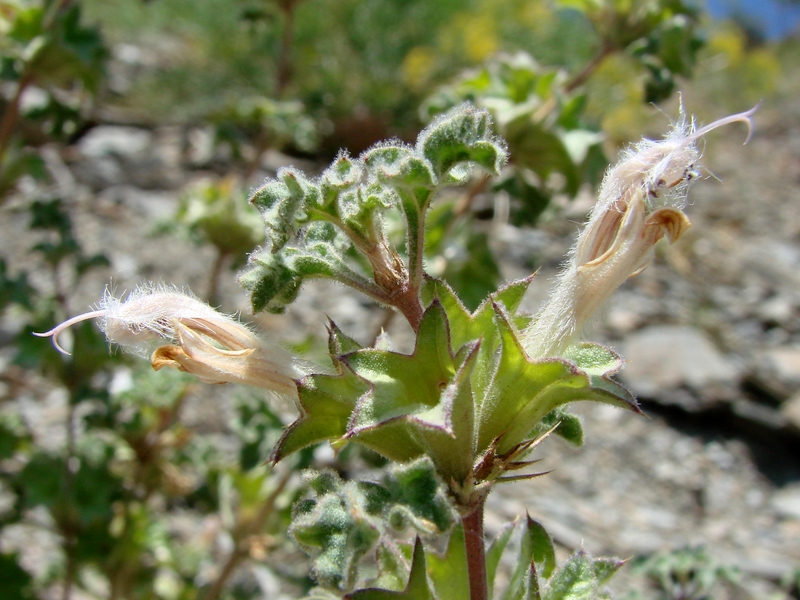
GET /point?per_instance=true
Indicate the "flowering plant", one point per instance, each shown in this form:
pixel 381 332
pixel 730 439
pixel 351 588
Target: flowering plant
pixel 481 389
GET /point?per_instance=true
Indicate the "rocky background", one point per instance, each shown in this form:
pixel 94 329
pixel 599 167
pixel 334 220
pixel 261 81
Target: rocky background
pixel 711 332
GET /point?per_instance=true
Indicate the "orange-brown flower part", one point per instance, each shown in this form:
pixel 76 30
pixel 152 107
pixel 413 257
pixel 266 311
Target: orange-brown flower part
pixel 226 352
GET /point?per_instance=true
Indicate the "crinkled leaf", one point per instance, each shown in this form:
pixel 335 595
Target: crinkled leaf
pixel 462 135
pixel 346 520
pixel 274 279
pixel 400 166
pixel 284 203
pixel 337 533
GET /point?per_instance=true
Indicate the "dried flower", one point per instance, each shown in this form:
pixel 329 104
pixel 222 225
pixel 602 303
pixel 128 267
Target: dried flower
pixel 641 200
pixel 190 335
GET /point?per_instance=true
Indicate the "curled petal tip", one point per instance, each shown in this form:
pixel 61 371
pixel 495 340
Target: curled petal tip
pixel 53 333
pixel 742 117
pixel 61 327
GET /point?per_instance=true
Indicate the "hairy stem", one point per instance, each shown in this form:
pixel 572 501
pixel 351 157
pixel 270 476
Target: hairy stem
pixel 476 552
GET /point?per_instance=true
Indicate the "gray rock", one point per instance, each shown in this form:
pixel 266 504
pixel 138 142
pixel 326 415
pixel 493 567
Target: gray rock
pixel 665 358
pixel 784 363
pixel 791 410
pixel 786 502
pixel 129 143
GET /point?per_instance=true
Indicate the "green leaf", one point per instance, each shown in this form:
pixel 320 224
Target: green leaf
pixel 400 166
pixel 417 588
pixel 326 402
pixel 521 392
pixel 348 519
pixel 568 426
pixel 418 490
pixel 274 278
pixel 495 552
pixel 284 203
pixel 448 571
pixel 581 577
pixel 419 403
pixel 542 151
pixel 462 135
pixel 536 557
pixel 541 547
pixel 338 534
pixel 594 359
pixel 339 344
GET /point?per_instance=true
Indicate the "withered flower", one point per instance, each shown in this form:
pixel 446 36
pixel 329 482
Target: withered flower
pixel 191 336
pixel 641 200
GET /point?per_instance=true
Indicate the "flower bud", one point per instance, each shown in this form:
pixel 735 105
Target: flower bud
pixel 191 336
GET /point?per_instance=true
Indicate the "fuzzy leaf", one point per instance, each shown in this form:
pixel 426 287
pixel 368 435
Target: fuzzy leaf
pixel 337 533
pixel 448 571
pixel 274 278
pixel 347 520
pixel 284 204
pixel 568 426
pixel 594 359
pixel 417 588
pixel 462 135
pixel 581 577
pixel 400 167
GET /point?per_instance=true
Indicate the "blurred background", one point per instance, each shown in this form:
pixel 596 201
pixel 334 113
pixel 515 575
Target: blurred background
pixel 130 136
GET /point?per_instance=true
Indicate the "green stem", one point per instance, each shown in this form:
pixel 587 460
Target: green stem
pixel 476 552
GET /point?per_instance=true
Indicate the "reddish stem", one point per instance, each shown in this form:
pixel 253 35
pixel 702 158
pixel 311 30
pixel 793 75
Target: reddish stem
pixel 9 121
pixel 476 552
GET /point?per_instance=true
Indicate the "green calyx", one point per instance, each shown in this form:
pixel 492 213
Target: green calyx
pixel 468 397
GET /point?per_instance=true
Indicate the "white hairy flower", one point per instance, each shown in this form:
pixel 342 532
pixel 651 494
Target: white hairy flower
pixel 188 334
pixel 641 200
